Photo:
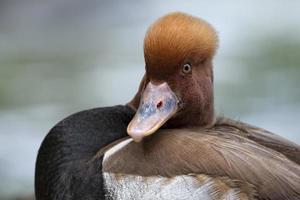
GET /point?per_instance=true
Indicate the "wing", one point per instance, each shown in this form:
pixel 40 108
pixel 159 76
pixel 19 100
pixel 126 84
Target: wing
pixel 261 136
pixel 212 152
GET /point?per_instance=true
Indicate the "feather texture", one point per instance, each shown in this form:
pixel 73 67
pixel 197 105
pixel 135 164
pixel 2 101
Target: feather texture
pixel 224 150
pixel 185 187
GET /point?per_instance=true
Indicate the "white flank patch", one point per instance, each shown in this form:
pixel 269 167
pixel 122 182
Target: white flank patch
pixel 185 187
pixel 134 187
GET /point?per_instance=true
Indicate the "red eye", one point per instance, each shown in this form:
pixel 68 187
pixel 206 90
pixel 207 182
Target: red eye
pixel 187 68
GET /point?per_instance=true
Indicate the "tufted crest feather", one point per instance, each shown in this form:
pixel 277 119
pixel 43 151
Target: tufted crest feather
pixel 176 36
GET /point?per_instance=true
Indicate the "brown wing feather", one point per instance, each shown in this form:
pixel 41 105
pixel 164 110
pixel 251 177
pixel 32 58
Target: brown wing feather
pixel 261 136
pixel 213 152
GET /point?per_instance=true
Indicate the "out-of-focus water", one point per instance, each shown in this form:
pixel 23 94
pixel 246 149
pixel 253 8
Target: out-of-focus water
pixel 60 57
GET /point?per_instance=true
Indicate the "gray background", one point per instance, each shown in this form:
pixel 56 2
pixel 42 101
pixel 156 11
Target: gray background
pixel 58 57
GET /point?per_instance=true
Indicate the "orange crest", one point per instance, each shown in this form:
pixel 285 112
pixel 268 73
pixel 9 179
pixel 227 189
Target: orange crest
pixel 176 36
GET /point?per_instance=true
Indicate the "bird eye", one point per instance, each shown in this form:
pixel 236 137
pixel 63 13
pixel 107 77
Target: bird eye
pixel 187 68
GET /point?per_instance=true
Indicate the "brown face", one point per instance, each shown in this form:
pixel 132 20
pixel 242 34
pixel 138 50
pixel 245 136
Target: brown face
pixel 181 98
pixel 177 89
pixel 193 85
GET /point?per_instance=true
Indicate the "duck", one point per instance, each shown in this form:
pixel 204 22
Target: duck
pixel 167 142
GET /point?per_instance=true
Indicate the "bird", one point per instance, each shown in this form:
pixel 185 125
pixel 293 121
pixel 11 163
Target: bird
pixel 167 142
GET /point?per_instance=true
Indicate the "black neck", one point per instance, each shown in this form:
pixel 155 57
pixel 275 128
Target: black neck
pixel 65 168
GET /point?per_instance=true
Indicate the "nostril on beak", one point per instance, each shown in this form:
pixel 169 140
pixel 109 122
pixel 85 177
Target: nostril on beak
pixel 180 104
pixel 159 104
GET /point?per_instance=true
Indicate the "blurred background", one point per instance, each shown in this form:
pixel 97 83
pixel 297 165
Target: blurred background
pixel 58 57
